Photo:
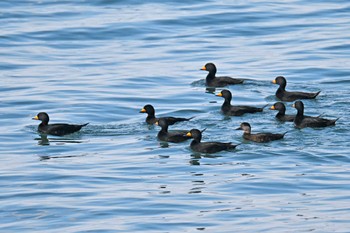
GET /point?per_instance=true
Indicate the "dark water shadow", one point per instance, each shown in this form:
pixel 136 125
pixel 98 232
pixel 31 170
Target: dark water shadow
pixel 196 157
pixel 250 84
pixel 247 82
pixel 47 157
pixel 163 144
pixel 210 90
pixel 45 141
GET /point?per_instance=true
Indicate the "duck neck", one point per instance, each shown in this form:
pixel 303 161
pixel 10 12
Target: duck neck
pixel 210 76
pixel 299 117
pixel 163 132
pixel 227 101
pixel 283 85
pixel 150 117
pixel 151 112
pixel 44 123
pixel 300 113
pixel 246 134
pixel 280 92
pixel 247 131
pixel 281 112
pixel 164 129
pixel 195 142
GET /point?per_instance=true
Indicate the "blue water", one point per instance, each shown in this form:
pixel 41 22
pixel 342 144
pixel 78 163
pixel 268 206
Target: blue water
pixel 102 61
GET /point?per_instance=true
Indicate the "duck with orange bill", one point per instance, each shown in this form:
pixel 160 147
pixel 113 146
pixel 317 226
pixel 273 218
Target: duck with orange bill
pixel 218 81
pixel 284 95
pixel 58 129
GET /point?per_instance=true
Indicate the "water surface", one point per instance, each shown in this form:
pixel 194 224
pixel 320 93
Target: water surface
pixel 102 61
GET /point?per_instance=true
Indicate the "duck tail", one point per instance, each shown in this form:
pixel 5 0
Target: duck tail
pixel 286 132
pixel 233 146
pixel 85 124
pixel 317 93
pixel 262 108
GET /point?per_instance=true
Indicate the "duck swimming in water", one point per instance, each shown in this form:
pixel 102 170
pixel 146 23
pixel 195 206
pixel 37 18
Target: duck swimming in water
pixel 170 136
pixel 213 81
pixel 151 118
pixel 281 115
pixel 235 110
pixel 258 137
pixel 284 95
pixel 207 147
pixel 301 121
pixel 59 129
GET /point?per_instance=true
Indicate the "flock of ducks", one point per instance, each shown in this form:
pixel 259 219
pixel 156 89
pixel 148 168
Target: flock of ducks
pixel 300 120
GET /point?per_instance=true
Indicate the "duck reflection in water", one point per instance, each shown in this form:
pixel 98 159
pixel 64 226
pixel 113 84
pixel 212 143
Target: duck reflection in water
pixel 45 141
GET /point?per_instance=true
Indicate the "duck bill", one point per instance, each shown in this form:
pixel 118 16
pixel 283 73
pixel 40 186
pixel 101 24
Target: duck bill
pixel 219 94
pixel 189 134
pixel 272 108
pixel 239 128
pixel 274 81
pixel 35 118
pixel 143 110
pixel 203 68
pixel 293 105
